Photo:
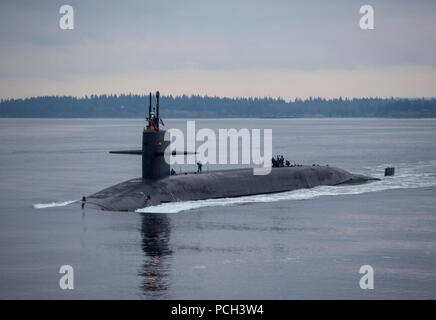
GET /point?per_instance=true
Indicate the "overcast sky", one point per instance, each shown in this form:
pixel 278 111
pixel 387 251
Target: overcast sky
pixel 225 48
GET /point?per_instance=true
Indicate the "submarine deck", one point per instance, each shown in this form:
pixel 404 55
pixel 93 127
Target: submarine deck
pixel 139 193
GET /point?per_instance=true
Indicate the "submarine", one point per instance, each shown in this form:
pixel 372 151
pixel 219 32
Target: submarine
pixel 157 185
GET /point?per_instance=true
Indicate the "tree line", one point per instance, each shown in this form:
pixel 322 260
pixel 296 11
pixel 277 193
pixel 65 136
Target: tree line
pixel 195 106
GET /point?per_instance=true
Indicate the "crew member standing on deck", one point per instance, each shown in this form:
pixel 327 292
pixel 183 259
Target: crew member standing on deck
pixel 199 165
pixel 153 123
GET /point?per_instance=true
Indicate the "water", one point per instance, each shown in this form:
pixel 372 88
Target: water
pixel 300 244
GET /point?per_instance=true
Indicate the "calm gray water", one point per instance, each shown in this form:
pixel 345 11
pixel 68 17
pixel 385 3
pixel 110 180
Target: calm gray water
pixel 302 244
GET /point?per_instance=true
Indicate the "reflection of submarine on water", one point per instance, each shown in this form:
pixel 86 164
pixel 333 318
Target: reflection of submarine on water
pixel 155 234
pixel 157 185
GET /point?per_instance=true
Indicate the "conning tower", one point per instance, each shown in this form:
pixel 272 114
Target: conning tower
pixel 154 145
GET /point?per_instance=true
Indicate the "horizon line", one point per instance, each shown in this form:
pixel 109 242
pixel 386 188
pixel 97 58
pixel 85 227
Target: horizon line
pixel 292 99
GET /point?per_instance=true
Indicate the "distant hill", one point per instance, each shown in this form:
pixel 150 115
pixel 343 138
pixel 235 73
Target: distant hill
pixel 135 106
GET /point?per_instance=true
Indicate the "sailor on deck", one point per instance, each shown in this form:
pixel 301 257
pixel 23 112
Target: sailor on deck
pixel 153 123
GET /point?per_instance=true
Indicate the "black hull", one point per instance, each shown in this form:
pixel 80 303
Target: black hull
pixel 139 193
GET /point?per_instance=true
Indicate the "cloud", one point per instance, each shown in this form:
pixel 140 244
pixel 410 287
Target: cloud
pixel 141 42
pixel 404 81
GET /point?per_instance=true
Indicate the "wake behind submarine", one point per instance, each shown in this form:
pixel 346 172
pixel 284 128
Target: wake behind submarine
pixel 157 185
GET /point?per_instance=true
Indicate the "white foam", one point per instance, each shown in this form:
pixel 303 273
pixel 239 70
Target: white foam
pixel 407 176
pixel 53 204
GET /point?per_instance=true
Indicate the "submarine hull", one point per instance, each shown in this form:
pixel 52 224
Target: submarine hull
pixel 139 193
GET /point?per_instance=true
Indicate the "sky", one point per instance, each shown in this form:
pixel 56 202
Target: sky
pixel 232 48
